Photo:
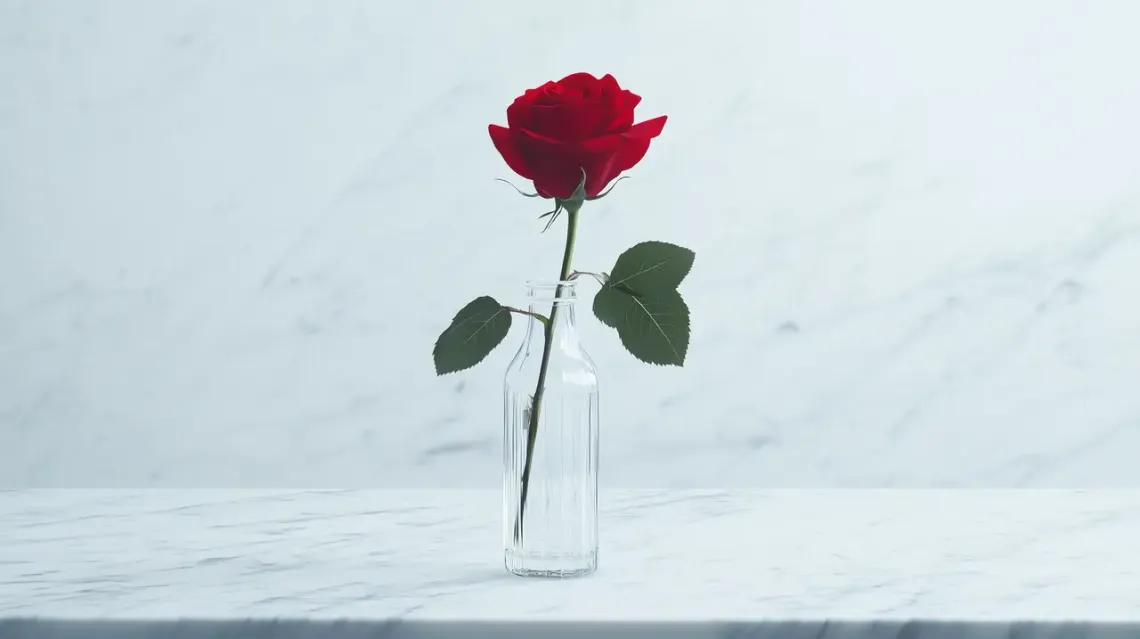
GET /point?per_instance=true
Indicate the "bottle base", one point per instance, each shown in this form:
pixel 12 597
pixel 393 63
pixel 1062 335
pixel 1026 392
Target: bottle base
pixel 550 565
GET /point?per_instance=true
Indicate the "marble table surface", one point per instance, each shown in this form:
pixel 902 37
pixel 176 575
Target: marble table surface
pixel 361 563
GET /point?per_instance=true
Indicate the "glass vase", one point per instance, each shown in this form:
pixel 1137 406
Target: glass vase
pixel 550 473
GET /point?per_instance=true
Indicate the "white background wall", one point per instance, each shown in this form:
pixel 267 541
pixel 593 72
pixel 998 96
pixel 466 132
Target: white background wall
pixel 231 231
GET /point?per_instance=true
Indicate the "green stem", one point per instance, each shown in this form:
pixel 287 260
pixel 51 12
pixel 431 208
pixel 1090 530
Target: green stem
pixel 597 276
pixel 538 316
pixel 547 345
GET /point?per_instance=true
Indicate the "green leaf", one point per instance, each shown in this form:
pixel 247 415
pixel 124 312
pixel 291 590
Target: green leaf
pixel 653 327
pixel 652 266
pixel 476 330
pixel 609 307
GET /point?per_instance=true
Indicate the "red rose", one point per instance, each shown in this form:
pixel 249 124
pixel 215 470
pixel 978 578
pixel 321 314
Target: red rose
pixel 579 123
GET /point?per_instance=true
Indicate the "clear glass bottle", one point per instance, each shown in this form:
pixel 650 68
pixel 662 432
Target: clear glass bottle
pixel 558 535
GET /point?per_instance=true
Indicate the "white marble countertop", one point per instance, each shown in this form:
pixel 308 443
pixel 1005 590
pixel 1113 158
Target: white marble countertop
pixel 112 560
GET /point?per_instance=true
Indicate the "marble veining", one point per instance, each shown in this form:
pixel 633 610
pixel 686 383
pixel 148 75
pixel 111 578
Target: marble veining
pixel 231 231
pixel 719 563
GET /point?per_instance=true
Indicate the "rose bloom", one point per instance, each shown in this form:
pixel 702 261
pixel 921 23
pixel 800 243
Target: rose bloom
pixel 580 122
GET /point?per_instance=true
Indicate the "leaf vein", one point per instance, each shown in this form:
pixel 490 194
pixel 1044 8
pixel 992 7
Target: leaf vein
pixel 655 323
pixel 643 271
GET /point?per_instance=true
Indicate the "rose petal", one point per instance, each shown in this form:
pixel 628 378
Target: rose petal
pixel 597 159
pixel 553 165
pixel 599 172
pixel 612 155
pixel 643 131
pixel 630 100
pixel 637 143
pixel 621 117
pixel 508 146
pixel 571 122
pixel 632 152
pixel 610 89
pixel 549 93
pixel 518 114
pixel 648 129
pixel 581 82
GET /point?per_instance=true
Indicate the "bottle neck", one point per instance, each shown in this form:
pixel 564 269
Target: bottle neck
pixel 557 302
pixel 561 314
